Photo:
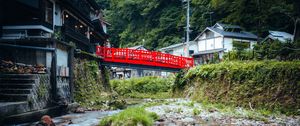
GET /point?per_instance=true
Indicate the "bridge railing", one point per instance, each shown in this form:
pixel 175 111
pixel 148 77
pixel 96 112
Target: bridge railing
pixel 144 57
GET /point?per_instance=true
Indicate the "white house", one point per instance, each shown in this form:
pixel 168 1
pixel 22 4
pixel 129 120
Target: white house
pixel 179 49
pixel 219 39
pixel 279 35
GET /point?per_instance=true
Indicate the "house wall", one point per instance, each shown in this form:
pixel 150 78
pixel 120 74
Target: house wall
pixel 220 42
pixel 62 57
pixel 210 40
pixel 209 44
pixel 57 15
pixel 179 51
pixel 194 46
pixel 63 73
pixel 228 43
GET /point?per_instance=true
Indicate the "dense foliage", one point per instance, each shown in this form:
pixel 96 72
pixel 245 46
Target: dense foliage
pixel 278 50
pixel 268 50
pixel 144 87
pixel 130 117
pixel 159 23
pixel 88 83
pixel 271 85
pixel 240 51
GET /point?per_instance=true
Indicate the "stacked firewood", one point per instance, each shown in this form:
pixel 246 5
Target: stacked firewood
pixel 20 68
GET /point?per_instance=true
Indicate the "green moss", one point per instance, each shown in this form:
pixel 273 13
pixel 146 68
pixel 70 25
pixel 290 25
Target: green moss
pixel 196 111
pixel 89 90
pixel 130 117
pixel 270 85
pixel 41 91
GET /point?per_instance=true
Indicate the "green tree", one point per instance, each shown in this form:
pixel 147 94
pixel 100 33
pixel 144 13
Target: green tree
pixel 161 22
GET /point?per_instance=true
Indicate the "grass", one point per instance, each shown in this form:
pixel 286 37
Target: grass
pixel 255 114
pixel 272 85
pixel 158 95
pixel 196 111
pixel 130 117
pixel 143 87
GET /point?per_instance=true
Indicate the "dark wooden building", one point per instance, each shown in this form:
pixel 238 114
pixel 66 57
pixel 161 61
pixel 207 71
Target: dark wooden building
pixel 37 43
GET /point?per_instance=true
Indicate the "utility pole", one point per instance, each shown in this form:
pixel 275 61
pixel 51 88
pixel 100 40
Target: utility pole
pixel 187 28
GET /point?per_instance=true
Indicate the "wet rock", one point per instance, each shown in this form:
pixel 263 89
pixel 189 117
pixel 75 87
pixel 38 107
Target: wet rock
pixel 79 110
pixel 117 104
pixel 72 107
pixel 188 120
pixel 46 121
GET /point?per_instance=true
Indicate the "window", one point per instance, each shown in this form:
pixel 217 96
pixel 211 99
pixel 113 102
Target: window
pixel 209 34
pixel 48 12
pixel 191 52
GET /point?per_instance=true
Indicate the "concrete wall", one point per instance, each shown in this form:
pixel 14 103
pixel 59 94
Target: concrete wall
pixel 63 81
pixel 57 15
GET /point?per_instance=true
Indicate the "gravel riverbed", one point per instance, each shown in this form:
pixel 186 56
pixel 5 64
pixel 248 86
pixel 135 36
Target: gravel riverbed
pixel 184 112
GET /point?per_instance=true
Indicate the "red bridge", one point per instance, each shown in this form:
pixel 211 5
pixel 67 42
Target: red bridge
pixel 142 58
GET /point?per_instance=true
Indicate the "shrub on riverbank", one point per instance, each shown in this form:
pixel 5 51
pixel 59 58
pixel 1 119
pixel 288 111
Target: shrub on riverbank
pixel 130 117
pixel 143 87
pixel 271 85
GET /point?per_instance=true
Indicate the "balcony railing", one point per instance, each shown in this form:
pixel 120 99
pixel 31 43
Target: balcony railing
pixel 70 32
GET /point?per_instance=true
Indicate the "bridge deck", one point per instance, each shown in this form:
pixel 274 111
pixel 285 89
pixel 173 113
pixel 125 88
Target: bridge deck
pixel 143 57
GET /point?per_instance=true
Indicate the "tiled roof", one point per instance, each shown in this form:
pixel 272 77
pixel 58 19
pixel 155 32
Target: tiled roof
pixel 174 46
pixel 228 25
pixel 242 34
pixel 279 35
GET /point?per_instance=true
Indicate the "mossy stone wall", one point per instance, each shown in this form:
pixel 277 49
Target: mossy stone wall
pixel 270 85
pixel 88 83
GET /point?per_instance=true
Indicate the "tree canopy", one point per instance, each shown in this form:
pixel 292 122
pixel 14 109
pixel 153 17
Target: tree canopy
pixel 160 23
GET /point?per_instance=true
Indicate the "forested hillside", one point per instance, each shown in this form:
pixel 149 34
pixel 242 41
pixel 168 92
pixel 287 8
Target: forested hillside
pixel 159 23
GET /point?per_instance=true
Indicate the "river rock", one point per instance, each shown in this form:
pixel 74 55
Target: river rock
pixel 79 110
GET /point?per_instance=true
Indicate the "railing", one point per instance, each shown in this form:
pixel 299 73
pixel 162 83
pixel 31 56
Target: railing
pixel 143 57
pixel 71 32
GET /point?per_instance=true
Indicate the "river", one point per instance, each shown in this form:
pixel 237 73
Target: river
pixel 184 112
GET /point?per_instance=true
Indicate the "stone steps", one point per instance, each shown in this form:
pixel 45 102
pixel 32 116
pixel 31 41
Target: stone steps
pixel 16 80
pixel 28 76
pixel 9 108
pixel 14 97
pixel 15 91
pixel 16 86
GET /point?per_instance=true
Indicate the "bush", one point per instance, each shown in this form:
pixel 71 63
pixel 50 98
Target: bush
pixel 88 83
pixel 263 84
pixel 278 50
pixel 130 117
pixel 242 55
pixel 143 87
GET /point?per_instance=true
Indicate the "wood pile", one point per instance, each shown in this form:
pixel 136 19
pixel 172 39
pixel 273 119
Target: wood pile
pixel 21 68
